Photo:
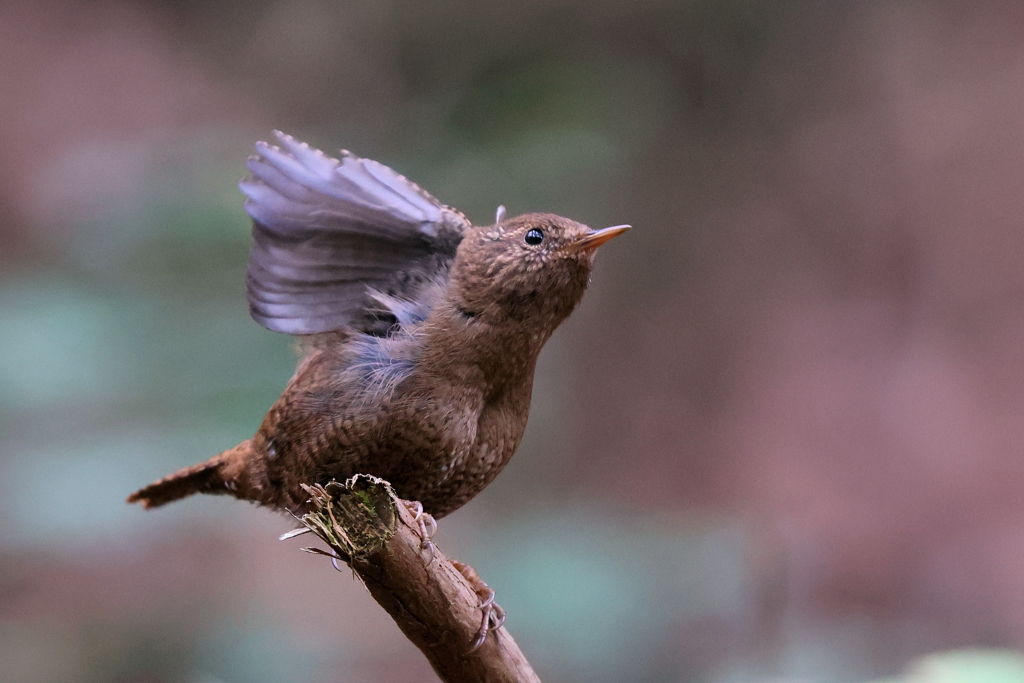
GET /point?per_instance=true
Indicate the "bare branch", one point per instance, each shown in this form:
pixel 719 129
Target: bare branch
pixel 433 603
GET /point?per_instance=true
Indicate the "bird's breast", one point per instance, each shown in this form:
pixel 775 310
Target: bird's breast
pixel 454 441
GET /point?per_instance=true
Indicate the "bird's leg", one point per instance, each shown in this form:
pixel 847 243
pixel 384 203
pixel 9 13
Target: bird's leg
pixel 492 615
pixel 427 527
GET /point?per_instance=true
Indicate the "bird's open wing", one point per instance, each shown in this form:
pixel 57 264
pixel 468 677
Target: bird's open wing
pixel 325 231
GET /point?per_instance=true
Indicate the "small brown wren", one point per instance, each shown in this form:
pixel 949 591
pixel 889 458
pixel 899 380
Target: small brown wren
pixel 421 332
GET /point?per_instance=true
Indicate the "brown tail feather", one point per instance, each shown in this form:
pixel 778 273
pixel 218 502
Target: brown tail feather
pixel 206 477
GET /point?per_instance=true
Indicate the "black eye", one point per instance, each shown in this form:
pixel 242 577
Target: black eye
pixel 534 236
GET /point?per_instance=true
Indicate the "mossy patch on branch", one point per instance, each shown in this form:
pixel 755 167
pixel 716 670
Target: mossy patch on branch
pixel 356 518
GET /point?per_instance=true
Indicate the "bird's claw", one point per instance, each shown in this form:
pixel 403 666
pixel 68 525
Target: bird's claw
pixel 492 618
pixel 334 556
pixel 427 528
pixel 492 615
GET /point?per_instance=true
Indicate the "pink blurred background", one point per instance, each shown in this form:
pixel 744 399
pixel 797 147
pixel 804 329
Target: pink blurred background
pixel 780 440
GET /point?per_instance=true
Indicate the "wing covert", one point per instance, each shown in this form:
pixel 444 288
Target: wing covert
pixel 327 231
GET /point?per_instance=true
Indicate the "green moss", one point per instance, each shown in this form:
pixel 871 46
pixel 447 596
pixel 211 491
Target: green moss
pixel 355 519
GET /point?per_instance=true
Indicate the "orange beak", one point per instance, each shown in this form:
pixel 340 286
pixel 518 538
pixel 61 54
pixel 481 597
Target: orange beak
pixel 595 238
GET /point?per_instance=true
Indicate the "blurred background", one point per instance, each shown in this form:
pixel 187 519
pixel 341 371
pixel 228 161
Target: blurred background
pixel 779 441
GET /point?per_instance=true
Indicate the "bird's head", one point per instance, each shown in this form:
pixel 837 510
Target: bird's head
pixel 532 269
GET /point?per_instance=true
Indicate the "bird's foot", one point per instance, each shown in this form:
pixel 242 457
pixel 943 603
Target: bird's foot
pixel 492 615
pixel 427 528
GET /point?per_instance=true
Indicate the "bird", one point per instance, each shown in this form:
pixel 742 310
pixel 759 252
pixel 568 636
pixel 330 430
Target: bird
pixel 419 332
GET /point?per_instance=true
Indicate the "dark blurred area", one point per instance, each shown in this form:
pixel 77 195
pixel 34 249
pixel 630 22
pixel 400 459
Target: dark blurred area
pixel 780 440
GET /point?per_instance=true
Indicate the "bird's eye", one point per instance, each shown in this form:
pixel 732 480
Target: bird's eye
pixel 534 236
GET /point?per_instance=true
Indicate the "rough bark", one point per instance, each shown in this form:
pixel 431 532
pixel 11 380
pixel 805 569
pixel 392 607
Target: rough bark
pixel 433 603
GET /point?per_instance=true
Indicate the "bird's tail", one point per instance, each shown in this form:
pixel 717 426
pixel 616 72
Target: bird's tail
pixel 216 475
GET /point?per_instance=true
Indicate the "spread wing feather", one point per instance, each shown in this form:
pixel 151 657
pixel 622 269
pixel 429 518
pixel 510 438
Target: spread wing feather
pixel 328 232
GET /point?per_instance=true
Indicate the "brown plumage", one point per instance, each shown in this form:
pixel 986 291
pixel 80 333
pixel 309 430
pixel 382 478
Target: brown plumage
pixel 422 333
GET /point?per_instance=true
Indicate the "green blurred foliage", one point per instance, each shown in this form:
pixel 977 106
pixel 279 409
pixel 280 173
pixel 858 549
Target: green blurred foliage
pixel 965 666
